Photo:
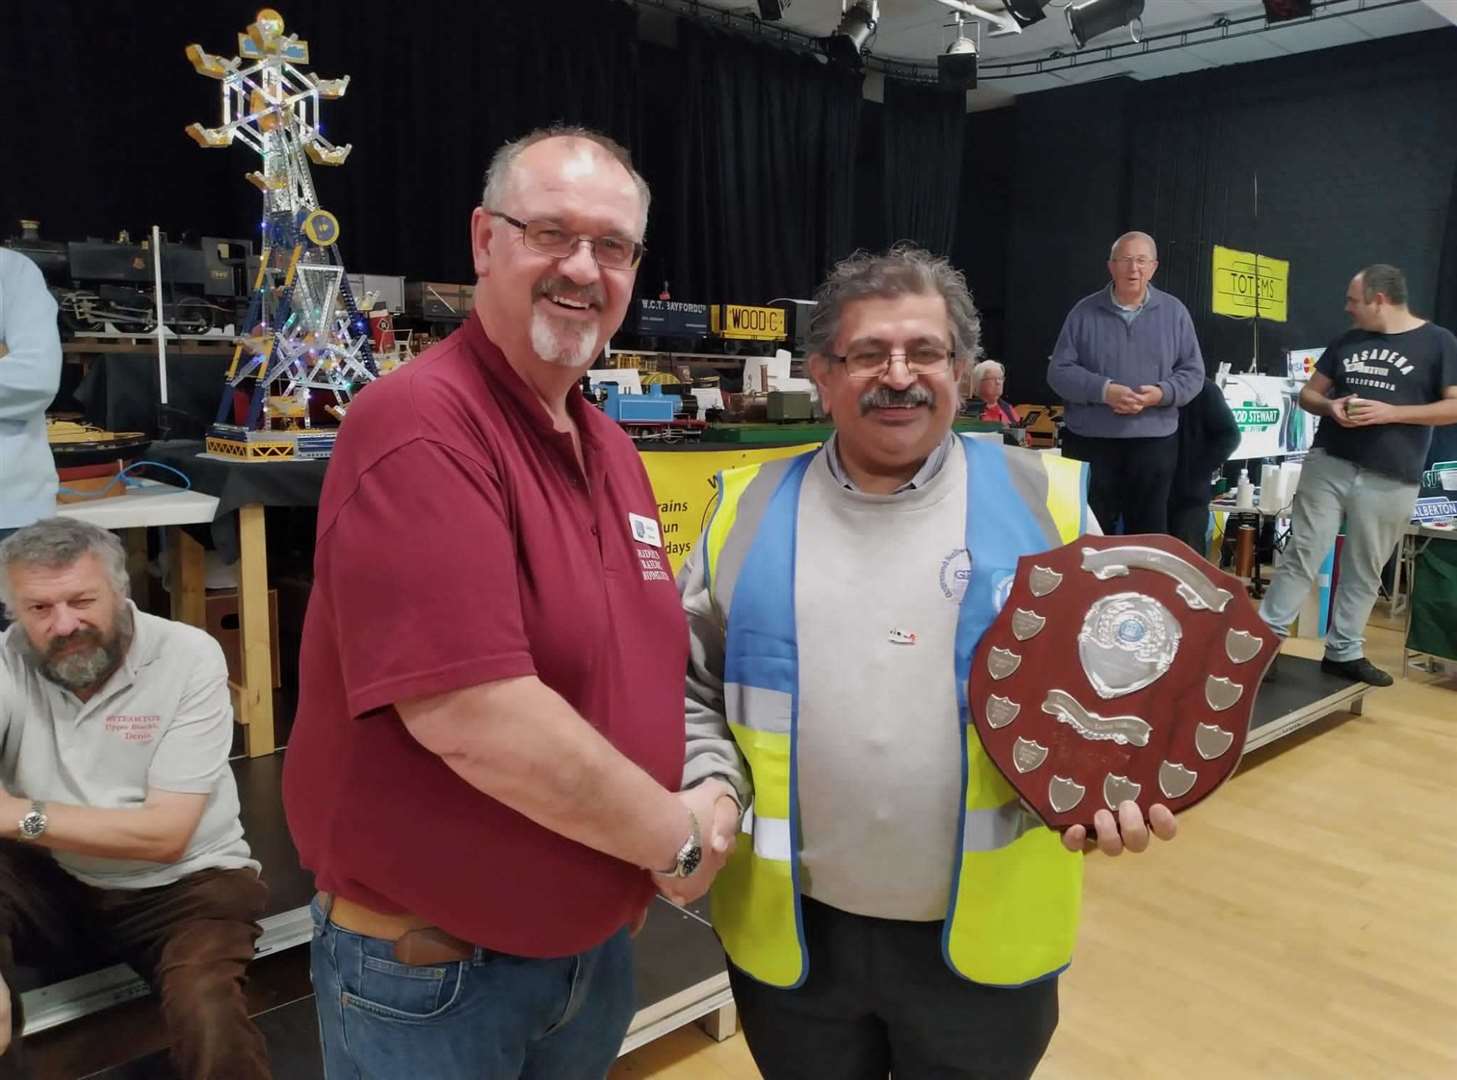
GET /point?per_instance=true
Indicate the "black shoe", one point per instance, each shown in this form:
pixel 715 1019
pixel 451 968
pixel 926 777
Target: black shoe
pixel 1358 670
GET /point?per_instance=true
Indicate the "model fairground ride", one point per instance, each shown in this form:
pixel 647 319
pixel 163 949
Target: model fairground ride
pixel 304 347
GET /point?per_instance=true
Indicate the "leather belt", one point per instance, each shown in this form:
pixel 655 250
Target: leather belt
pixel 416 942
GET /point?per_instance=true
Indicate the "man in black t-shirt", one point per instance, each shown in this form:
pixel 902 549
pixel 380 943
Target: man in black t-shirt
pixel 1380 388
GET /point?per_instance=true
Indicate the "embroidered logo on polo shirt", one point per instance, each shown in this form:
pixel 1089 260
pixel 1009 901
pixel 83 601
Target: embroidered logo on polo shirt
pixel 645 530
pixel 130 728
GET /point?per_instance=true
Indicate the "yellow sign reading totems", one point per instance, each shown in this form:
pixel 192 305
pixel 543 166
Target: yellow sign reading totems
pixel 1247 285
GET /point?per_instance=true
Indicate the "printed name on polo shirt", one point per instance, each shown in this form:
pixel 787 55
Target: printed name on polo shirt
pixel 651 561
pixel 133 728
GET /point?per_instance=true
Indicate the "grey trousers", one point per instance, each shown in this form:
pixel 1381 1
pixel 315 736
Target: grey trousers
pixel 1376 510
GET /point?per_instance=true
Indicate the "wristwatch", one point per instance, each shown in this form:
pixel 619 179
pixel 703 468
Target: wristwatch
pixel 689 855
pixel 34 823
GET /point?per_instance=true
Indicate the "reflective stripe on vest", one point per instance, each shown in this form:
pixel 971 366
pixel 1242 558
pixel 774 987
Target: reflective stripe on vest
pixel 1012 915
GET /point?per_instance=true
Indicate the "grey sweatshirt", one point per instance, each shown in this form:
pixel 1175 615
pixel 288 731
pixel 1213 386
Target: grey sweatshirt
pixel 1098 346
pixel 879 755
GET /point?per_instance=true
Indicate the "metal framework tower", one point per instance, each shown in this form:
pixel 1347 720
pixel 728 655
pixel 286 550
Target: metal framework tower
pixel 304 334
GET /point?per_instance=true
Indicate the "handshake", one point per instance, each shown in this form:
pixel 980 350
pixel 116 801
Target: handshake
pixel 716 810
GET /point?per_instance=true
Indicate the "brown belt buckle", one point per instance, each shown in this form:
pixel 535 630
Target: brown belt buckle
pixel 430 945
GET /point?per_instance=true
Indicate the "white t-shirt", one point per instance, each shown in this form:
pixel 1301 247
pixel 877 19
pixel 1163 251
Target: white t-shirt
pixel 164 721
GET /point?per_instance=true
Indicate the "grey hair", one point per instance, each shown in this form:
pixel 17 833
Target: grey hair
pixel 56 543
pixel 903 270
pixel 980 371
pixel 499 174
pixel 1112 251
pixel 1383 278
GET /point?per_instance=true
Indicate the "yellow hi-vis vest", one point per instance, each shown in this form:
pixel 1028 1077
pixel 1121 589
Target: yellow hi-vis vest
pixel 1012 916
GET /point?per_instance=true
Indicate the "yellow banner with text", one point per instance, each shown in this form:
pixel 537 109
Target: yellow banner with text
pixel 683 483
pixel 1247 285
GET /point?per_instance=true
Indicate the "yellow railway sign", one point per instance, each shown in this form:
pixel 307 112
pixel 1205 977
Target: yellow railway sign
pixel 1247 285
pixel 745 323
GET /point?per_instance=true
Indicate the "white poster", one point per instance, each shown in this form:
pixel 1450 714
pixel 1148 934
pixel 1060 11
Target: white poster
pixel 1271 423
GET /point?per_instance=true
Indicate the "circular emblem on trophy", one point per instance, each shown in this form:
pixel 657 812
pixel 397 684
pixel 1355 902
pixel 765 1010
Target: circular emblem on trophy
pixel 1120 668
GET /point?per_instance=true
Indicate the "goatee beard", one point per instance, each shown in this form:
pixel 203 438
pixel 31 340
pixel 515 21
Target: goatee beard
pixel 563 343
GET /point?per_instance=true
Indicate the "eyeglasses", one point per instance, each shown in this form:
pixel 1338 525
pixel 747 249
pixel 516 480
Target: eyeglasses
pixel 549 238
pixel 1139 261
pixel 871 362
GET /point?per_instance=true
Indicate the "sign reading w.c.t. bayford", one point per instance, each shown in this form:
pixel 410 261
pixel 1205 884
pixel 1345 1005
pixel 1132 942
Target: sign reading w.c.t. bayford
pixel 1247 285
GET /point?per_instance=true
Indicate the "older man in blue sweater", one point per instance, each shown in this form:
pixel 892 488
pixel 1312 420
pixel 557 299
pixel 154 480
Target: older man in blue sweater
pixel 1126 360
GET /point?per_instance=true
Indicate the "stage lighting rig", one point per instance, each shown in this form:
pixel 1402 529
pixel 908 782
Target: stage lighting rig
pixel 857 25
pixel 1093 18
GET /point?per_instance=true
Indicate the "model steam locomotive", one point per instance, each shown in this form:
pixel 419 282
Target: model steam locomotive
pixel 101 285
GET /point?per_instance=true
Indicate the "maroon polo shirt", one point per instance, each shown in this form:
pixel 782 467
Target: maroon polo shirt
pixel 458 544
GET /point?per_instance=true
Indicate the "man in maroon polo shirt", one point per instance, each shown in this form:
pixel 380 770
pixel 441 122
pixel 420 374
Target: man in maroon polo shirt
pixel 490 723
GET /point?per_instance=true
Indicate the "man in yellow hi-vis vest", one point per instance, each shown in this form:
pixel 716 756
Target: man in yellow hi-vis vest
pixel 890 907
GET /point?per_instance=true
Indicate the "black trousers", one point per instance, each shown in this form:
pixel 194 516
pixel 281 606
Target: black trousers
pixel 1128 479
pixel 1189 522
pixel 879 1000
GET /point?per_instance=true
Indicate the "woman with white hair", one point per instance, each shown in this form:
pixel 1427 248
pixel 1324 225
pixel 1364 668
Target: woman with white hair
pixel 987 379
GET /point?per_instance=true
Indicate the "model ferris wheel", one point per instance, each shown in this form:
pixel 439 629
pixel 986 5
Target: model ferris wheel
pixel 304 348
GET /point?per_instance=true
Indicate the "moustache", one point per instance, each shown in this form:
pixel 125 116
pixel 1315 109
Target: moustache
pixel 559 286
pixel 883 397
pixel 77 637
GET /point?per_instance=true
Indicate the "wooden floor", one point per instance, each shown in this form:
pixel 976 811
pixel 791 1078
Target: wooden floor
pixel 1303 925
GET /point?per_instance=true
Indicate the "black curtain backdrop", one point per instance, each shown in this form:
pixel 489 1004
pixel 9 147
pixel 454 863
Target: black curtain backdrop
pixel 1444 305
pixel 1354 148
pixel 923 130
pixel 1349 172
pixel 763 168
pixel 1067 203
pixel 980 248
pixel 98 94
pixel 1444 313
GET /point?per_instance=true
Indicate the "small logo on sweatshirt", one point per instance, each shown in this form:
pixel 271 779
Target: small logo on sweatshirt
pixel 956 574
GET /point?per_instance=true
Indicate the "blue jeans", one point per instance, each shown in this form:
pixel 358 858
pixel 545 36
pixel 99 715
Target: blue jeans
pixel 492 1017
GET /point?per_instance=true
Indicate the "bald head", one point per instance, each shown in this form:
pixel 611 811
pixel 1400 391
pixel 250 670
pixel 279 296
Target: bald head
pixel 573 153
pixel 1134 243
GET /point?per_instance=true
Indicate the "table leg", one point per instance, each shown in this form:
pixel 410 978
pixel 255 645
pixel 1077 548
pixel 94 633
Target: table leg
pixel 255 696
pixel 135 541
pixel 189 593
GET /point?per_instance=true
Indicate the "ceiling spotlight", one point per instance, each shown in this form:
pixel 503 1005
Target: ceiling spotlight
pixel 956 67
pixel 1092 18
pixel 1026 12
pixel 857 24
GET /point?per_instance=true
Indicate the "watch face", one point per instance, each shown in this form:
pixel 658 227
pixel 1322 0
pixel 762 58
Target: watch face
pixel 33 824
pixel 691 859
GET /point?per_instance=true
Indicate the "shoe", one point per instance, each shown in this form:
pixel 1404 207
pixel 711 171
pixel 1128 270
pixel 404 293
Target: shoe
pixel 1358 670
